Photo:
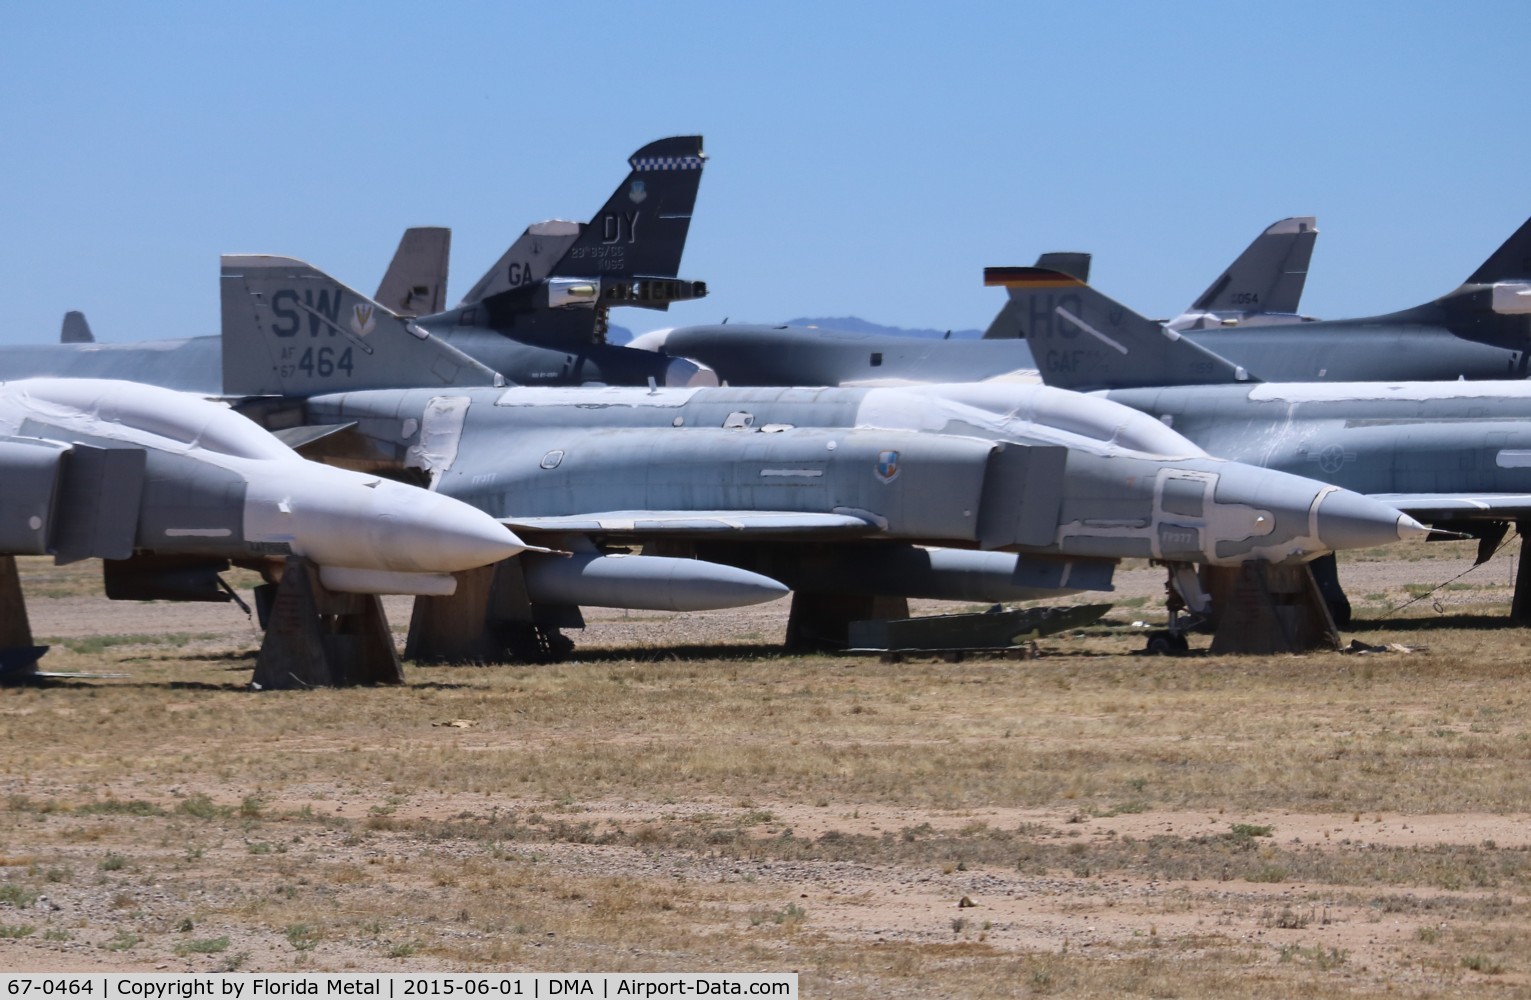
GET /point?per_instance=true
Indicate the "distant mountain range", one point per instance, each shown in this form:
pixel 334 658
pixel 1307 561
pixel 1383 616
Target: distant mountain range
pixel 850 324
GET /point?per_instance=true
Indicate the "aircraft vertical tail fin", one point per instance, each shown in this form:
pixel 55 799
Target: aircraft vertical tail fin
pixel 1511 262
pixel 1071 263
pixel 1083 340
pixel 1268 277
pixel 528 261
pixel 75 330
pixel 290 329
pixel 639 232
pixel 1007 323
pixel 415 283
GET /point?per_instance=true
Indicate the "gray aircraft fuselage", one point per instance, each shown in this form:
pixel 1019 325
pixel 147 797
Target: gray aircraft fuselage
pixel 196 364
pixel 1403 346
pixel 1020 468
pixel 775 355
pixel 566 362
pixel 1416 438
pixel 1410 345
pixel 163 473
pixel 191 365
pixel 1379 350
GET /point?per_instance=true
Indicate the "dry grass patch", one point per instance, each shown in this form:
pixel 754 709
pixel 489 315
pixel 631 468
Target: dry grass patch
pixel 825 814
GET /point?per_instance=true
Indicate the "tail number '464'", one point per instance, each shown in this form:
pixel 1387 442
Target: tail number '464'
pixel 323 362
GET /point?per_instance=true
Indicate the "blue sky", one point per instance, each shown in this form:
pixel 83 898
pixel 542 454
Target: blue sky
pixel 866 159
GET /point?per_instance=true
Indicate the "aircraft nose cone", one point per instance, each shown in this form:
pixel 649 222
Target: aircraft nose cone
pixel 1409 528
pixel 1348 520
pixel 437 534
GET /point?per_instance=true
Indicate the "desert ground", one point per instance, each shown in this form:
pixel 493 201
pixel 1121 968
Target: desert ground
pixel 681 796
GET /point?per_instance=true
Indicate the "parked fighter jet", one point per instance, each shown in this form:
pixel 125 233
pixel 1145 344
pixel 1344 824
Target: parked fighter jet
pixel 1481 330
pixel 1262 286
pixel 170 490
pixel 1455 454
pixel 771 480
pixel 147 477
pixel 538 316
pixel 416 279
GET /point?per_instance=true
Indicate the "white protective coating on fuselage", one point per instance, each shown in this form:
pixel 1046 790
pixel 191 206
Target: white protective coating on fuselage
pixel 146 415
pixel 1056 416
pixel 1035 412
pixel 335 517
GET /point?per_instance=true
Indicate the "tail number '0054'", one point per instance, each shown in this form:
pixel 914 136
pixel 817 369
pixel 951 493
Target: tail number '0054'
pixel 323 362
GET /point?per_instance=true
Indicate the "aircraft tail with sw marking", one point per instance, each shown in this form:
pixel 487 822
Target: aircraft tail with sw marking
pixel 1084 341
pixel 290 329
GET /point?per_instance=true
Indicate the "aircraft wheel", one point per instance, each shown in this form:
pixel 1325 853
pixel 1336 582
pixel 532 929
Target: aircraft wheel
pixel 1166 643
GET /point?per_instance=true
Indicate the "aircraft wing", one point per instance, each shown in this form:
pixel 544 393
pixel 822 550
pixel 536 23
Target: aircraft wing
pixel 1469 505
pixel 303 437
pixel 707 522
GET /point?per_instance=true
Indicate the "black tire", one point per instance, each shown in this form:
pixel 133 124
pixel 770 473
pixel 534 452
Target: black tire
pixel 1166 643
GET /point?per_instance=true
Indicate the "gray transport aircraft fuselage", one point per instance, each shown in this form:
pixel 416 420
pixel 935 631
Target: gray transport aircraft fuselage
pixel 753 355
pixel 1482 330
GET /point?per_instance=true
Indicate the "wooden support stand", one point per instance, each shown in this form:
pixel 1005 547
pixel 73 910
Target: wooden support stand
pixel 1326 573
pixel 1265 609
pixel 18 657
pixel 821 622
pixel 490 619
pixel 318 638
pixel 1520 604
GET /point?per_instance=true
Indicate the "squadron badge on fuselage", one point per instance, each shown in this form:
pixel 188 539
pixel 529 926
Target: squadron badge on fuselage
pixel 363 319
